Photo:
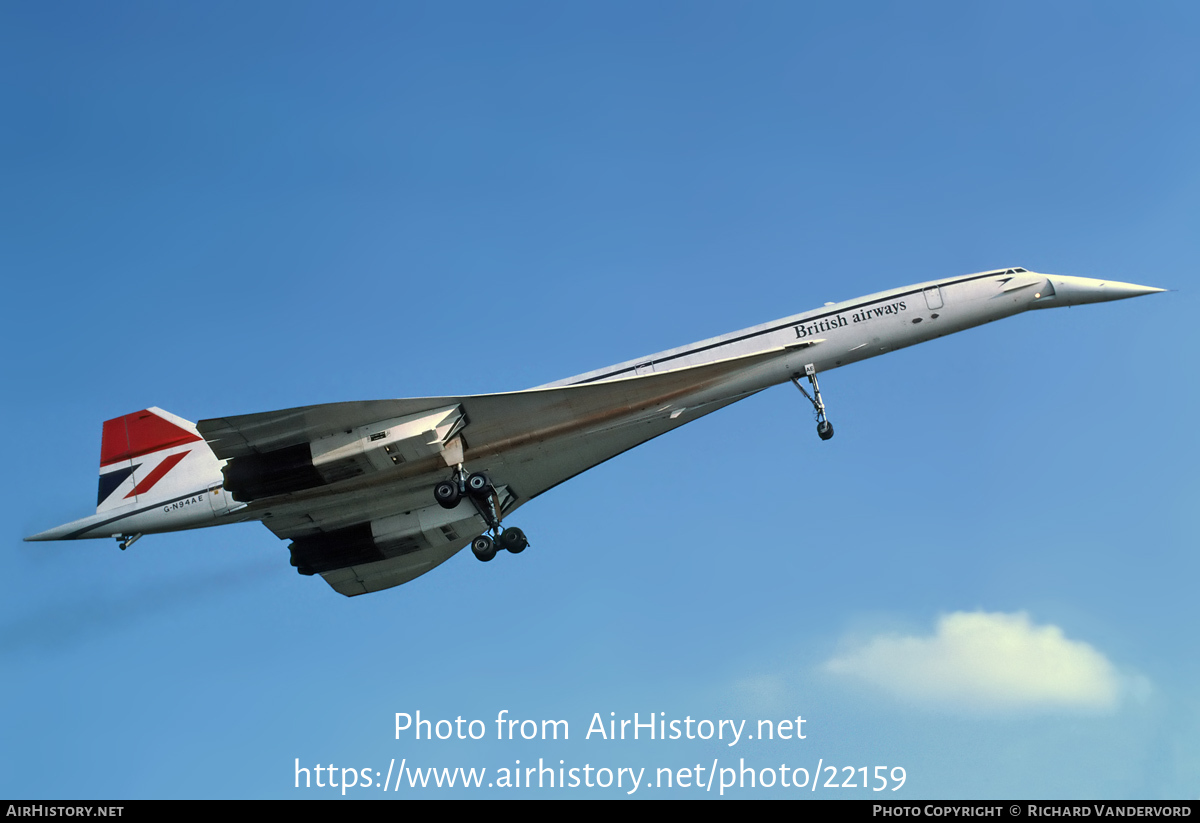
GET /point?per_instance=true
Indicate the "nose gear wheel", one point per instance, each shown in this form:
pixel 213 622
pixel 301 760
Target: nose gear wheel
pixel 824 427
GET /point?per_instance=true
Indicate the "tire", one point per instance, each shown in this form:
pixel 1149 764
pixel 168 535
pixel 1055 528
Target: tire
pixel 447 494
pixel 513 540
pixel 479 485
pixel 483 548
pixel 824 430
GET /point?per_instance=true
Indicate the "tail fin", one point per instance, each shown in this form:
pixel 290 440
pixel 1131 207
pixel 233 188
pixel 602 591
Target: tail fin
pixel 150 455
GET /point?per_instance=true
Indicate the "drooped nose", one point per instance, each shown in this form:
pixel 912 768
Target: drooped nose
pixel 1075 291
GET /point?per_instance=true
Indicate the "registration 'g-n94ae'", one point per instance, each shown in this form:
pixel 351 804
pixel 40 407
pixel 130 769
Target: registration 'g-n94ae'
pixel 372 494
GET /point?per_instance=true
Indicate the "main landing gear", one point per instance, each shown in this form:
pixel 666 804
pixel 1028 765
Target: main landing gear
pixel 479 489
pixel 824 427
pixel 511 539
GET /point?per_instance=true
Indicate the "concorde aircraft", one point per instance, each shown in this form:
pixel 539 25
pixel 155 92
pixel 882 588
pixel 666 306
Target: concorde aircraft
pixel 375 493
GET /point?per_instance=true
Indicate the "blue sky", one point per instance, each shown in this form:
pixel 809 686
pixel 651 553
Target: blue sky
pixel 987 578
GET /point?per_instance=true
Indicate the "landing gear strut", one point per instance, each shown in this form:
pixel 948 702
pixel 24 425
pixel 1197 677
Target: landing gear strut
pixel 824 427
pixel 479 490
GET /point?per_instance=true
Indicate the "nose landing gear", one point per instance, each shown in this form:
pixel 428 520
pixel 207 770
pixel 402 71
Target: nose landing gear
pixel 824 427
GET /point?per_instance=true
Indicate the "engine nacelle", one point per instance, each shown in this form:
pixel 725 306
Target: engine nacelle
pixel 376 447
pixel 424 528
pixel 265 475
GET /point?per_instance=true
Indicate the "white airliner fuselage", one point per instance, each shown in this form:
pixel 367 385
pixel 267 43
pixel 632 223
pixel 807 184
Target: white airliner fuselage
pixel 350 482
pixel 864 327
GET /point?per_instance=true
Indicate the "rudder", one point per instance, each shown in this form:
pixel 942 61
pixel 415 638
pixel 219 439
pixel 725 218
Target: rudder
pixel 139 456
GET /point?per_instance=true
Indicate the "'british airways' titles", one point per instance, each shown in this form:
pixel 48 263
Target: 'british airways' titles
pixel 860 316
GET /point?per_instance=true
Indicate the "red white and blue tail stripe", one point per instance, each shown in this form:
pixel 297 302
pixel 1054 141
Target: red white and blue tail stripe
pixel 156 474
pixel 139 452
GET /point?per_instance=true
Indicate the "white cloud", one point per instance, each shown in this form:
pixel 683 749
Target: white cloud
pixel 990 662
